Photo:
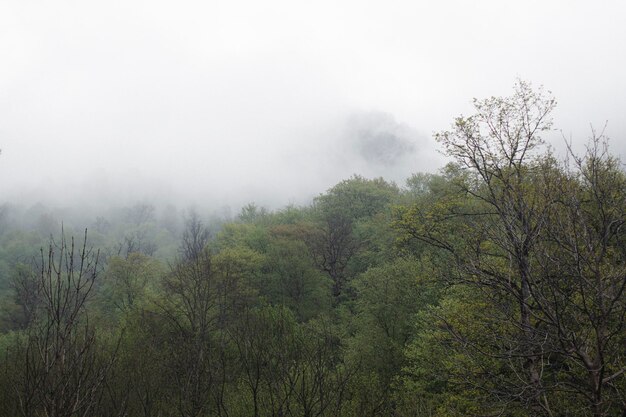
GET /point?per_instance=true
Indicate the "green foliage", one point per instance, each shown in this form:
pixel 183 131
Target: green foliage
pixel 357 198
pixel 443 372
pixel 290 279
pixel 232 235
pixel 129 282
pixel 494 287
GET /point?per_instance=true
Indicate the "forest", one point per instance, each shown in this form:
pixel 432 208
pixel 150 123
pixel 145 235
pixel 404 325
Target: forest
pixel 493 287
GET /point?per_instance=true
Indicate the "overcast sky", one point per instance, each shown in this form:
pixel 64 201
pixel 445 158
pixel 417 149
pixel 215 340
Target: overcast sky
pixel 275 101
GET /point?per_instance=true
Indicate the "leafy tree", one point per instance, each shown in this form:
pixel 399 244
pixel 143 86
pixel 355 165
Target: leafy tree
pixel 388 297
pixel 500 227
pixel 264 340
pixel 357 198
pixel 127 281
pixel 333 243
pixel 251 213
pixel 191 308
pixel 291 279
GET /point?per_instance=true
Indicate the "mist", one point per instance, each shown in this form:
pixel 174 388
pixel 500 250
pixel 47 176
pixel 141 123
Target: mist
pixel 219 104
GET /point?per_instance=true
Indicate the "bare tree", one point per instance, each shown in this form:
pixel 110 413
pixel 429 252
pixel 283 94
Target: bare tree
pixel 195 237
pixel 136 241
pixel 140 213
pixel 62 373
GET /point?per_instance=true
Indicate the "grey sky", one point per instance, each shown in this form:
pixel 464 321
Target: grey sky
pixel 237 101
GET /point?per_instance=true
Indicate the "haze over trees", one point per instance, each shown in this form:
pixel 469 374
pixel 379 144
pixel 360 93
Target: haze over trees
pixel 495 287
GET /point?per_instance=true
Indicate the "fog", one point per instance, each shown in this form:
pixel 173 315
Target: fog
pixel 222 103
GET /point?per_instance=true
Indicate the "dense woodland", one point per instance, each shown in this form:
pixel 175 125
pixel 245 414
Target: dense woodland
pixel 495 287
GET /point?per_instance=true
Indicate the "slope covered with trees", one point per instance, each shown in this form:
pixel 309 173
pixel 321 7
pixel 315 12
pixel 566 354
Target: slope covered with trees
pixel 496 287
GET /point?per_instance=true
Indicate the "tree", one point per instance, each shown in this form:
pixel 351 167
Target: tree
pixel 496 147
pixel 195 237
pixel 318 379
pixel 291 279
pixel 357 197
pixel 62 373
pixel 264 340
pixel 251 213
pixel 140 213
pixel 333 243
pixel 25 284
pixel 191 311
pixel 582 262
pixel 534 237
pixel 388 296
pixel 127 280
pixel 137 240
